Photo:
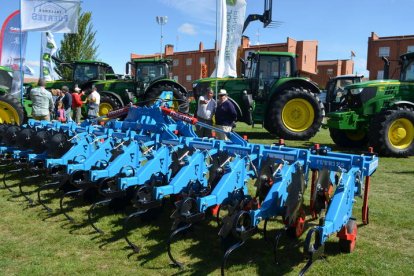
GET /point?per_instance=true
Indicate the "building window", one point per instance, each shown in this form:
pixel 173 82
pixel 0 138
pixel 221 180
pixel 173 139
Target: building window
pixel 380 75
pixel 410 49
pixel 189 61
pixel 202 60
pixel 329 71
pixel 176 78
pixel 384 52
pixel 175 62
pixel 188 78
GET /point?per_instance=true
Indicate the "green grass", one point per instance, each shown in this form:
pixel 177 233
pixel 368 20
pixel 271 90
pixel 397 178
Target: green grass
pixel 34 243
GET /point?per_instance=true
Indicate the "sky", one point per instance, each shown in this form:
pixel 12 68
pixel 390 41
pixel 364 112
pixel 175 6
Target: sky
pixel 129 26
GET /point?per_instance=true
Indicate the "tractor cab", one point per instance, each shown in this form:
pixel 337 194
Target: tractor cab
pixel 85 71
pixel 6 79
pixel 335 90
pixel 148 71
pixel 407 67
pixel 264 69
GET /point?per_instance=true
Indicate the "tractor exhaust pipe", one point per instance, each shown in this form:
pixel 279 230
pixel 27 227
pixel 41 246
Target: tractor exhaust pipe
pixel 386 68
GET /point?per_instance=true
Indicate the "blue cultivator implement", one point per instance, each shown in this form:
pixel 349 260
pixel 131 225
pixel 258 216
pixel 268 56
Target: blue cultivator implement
pixel 154 154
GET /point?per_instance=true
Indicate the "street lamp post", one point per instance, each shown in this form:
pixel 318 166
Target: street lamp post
pixel 161 20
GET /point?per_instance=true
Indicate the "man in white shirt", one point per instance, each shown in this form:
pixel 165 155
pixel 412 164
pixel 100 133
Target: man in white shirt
pixel 206 108
pixel 93 100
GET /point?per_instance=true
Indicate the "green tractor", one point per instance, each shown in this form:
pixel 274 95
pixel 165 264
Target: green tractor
pixel 335 88
pixel 11 110
pixel 271 93
pixel 379 113
pixel 117 91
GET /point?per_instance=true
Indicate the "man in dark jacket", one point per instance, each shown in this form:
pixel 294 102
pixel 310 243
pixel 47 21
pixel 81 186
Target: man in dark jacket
pixel 67 102
pixel 226 114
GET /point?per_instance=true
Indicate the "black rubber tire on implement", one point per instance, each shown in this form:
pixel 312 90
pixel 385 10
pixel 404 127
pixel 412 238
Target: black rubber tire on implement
pixel 344 138
pixel 108 103
pixel 274 122
pixel 11 110
pixel 154 92
pixel 379 132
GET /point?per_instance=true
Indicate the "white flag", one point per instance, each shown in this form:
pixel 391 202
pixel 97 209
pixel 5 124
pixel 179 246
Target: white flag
pixel 48 50
pixel 58 16
pixel 233 16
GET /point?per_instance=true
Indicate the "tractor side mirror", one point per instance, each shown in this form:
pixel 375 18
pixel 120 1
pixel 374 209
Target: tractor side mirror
pixel 127 66
pixel 243 67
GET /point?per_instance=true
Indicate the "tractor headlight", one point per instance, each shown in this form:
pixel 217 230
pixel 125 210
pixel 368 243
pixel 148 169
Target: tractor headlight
pixel 356 91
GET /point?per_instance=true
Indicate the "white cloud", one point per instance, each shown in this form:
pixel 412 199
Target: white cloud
pixel 187 28
pixel 33 63
pixel 195 9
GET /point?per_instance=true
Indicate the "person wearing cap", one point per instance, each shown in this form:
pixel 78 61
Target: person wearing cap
pixel 226 114
pixel 77 104
pixel 206 108
pixel 67 103
pixel 42 101
pixel 93 101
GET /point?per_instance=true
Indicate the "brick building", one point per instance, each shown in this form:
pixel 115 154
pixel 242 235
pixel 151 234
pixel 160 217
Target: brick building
pixel 388 46
pixel 331 68
pixel 188 65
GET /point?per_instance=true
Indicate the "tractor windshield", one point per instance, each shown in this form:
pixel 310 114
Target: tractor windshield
pixel 6 79
pixel 87 72
pixel 407 73
pixel 274 67
pixel 148 72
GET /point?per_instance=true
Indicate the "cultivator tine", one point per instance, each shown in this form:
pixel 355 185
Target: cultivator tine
pixel 62 210
pixel 16 171
pixel 170 239
pixel 24 194
pixel 99 203
pixel 134 247
pixel 227 254
pixel 44 187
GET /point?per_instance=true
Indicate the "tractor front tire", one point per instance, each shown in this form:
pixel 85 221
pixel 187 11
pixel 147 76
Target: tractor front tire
pixel 108 103
pixel 348 139
pixel 11 110
pixel 180 100
pixel 392 132
pixel 295 114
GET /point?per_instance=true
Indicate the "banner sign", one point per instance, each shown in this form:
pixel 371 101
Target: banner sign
pixel 10 47
pixel 232 21
pixel 58 16
pixel 48 50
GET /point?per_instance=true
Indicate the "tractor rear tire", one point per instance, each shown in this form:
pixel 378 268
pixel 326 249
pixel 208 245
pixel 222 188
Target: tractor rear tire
pixel 392 132
pixel 180 99
pixel 348 139
pixel 295 114
pixel 108 103
pixel 11 110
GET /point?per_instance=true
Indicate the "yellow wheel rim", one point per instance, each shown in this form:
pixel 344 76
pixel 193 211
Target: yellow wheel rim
pixel 298 115
pixel 8 114
pixel 104 108
pixel 355 135
pixel 401 133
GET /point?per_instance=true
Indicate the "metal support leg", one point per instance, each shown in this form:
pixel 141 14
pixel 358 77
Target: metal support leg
pixel 173 234
pixel 99 203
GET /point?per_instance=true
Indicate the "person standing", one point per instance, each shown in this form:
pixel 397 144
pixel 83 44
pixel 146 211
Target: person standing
pixel 206 108
pixel 77 104
pixel 42 101
pixel 93 101
pixel 226 114
pixel 67 103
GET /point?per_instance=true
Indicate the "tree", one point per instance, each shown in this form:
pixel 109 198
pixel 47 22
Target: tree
pixel 80 46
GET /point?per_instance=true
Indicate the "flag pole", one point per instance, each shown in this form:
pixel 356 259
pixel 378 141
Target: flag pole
pixel 21 55
pixel 41 76
pixel 216 44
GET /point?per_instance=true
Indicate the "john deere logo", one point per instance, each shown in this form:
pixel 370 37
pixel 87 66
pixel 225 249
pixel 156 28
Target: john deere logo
pixel 231 2
pixel 49 11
